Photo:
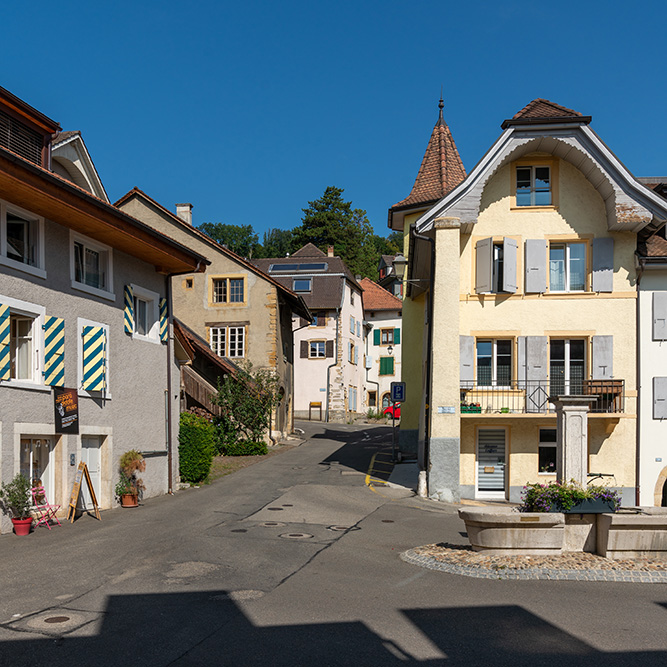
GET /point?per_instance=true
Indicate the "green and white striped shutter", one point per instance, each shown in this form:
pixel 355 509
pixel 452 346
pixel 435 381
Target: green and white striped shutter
pixel 5 347
pixel 54 351
pixel 94 359
pixel 164 320
pixel 129 310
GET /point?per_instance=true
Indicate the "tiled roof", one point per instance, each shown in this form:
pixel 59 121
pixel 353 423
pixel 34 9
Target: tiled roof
pixel 309 250
pixel 655 246
pixel 377 298
pixel 61 137
pixel 201 347
pixel 541 108
pixel 441 169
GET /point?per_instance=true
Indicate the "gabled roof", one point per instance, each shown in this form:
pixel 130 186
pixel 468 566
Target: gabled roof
pixel 295 301
pixel 543 111
pixel 377 298
pixel 193 343
pixel 309 250
pixel 630 206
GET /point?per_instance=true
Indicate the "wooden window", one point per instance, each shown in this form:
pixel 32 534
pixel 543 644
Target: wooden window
pixel 533 186
pixel 228 341
pixel 227 290
pixel 496 264
pixel 494 363
pixel 567 267
pixel 316 349
pixel 547 451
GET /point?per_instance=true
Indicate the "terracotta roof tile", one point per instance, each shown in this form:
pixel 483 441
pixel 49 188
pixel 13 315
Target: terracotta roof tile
pixel 541 108
pixel 441 169
pixel 309 250
pixel 377 298
pixel 655 246
pixel 195 342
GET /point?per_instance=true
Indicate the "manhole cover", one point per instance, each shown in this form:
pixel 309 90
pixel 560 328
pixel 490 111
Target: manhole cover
pixel 239 530
pixel 387 521
pixel 340 528
pixel 57 619
pixel 296 536
pixel 288 505
pixel 275 509
pixel 271 524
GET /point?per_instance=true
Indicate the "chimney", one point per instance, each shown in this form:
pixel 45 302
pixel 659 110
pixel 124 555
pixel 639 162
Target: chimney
pixel 184 212
pixel 330 251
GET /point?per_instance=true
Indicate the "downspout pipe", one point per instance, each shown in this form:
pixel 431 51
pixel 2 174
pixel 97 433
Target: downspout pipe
pixel 429 350
pixel 170 483
pixel 377 384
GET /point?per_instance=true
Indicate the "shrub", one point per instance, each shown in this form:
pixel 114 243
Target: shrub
pixel 246 448
pixel 196 447
pixel 15 497
pixel 559 496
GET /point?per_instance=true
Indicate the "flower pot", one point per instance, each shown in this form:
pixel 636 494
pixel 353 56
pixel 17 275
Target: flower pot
pixel 129 500
pixel 590 506
pixel 22 526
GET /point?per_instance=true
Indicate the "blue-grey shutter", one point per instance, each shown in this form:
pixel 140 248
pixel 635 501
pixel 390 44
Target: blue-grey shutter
pixel 356 354
pixel 659 315
pixel 660 398
pixel 536 266
pixel 467 360
pixel 510 250
pixel 603 358
pixel 603 264
pixel 536 360
pixel 521 361
pixel 5 343
pixel 484 266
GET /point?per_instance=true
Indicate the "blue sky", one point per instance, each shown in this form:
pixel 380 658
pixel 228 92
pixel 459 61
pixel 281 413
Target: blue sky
pixel 250 110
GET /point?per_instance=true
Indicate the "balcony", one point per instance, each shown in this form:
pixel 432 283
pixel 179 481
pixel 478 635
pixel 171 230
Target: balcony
pixel 526 397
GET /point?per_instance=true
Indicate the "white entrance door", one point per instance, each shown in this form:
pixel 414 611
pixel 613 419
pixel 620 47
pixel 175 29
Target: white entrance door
pixel 91 456
pixel 36 463
pixel 491 462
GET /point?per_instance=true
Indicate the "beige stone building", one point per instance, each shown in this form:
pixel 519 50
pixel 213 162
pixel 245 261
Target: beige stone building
pixel 522 287
pixel 243 313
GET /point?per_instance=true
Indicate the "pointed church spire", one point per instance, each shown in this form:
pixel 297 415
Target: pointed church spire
pixel 441 169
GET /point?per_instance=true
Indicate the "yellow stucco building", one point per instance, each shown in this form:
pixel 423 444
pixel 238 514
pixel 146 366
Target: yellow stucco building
pixel 522 287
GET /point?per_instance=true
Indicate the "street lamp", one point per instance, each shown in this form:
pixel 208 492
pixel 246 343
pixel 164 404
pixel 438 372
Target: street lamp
pixel 400 264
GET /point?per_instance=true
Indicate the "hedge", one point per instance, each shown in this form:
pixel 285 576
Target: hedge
pixel 196 447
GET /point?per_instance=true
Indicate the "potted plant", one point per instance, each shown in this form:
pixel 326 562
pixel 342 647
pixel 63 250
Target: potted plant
pixel 129 486
pixel 569 498
pixel 15 499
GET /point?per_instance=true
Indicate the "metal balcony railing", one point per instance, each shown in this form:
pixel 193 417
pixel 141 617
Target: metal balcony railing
pixel 532 397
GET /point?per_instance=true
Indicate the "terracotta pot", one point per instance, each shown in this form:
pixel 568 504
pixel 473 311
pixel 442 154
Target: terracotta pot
pixel 22 526
pixel 129 500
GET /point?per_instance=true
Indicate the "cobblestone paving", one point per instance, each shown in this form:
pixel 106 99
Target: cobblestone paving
pixel 573 566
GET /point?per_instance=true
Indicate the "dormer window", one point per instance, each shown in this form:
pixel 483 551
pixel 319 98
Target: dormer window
pixel 533 186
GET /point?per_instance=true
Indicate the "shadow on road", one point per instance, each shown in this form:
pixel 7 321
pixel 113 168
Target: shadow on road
pixel 208 628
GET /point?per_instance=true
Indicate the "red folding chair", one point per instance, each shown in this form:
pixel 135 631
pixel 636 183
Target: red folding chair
pixel 43 510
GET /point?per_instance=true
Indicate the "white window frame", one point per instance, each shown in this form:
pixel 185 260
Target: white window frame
pixel 568 246
pixel 494 361
pixel 320 346
pixel 567 377
pixel 152 300
pixel 229 341
pixel 98 247
pixel 38 269
pixel 226 328
pixel 532 184
pixel 80 323
pixel 38 314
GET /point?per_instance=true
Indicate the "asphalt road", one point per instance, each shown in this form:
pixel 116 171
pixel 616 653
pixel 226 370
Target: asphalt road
pixel 295 561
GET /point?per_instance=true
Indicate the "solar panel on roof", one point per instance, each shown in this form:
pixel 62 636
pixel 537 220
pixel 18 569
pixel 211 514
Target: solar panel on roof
pixel 283 267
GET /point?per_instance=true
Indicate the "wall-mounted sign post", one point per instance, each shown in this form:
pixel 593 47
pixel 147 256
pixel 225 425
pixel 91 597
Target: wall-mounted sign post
pixel 397 396
pixel 81 474
pixel 66 410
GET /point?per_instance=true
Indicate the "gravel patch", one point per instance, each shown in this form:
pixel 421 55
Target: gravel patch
pixel 575 565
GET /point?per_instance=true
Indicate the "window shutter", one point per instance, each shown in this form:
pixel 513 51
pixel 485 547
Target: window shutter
pixel 603 264
pixel 329 349
pixel 521 361
pixel 536 358
pixel 376 337
pixel 164 320
pixel 386 365
pixel 536 266
pixel 397 336
pixel 659 315
pixel 484 266
pixel 304 349
pixel 129 310
pixel 5 343
pixel 467 358
pixel 54 351
pixel 660 398
pixel 510 250
pixel 603 357
pixel 356 354
pixel 94 359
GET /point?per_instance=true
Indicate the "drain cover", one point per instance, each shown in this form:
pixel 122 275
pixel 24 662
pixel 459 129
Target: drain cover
pixel 57 619
pixel 239 530
pixel 271 524
pixel 275 509
pixel 288 505
pixel 387 521
pixel 296 536
pixel 340 528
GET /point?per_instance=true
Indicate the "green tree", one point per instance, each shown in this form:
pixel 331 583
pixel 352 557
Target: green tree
pixel 330 220
pixel 240 239
pixel 277 243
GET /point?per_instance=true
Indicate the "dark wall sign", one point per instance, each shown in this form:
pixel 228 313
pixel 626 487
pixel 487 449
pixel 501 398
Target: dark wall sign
pixel 66 404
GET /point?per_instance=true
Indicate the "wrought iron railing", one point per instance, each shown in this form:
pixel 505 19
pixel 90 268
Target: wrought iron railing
pixel 526 397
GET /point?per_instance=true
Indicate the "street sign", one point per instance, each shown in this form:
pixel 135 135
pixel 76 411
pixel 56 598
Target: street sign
pixel 397 392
